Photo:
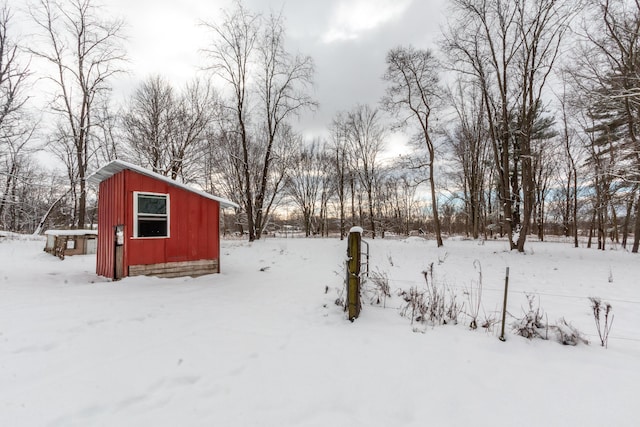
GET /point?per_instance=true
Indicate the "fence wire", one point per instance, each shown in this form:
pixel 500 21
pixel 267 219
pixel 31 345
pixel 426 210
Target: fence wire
pixel 400 284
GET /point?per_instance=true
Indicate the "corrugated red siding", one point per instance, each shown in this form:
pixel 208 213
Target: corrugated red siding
pixel 193 222
pixel 111 212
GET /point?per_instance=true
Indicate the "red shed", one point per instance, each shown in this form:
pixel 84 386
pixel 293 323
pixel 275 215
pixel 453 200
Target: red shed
pixel 149 224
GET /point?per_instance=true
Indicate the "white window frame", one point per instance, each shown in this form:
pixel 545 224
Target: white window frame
pixel 135 214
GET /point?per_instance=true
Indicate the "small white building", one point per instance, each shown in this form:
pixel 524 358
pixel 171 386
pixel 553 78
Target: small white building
pixel 71 242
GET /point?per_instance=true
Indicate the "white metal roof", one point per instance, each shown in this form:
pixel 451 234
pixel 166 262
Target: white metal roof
pixel 71 232
pixel 115 166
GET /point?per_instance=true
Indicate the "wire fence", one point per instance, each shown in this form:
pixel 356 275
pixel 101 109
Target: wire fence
pixel 394 302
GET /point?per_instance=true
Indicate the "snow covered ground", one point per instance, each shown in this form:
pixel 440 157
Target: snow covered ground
pixel 263 344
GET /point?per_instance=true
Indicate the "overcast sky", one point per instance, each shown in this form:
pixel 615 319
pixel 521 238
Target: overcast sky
pixel 347 39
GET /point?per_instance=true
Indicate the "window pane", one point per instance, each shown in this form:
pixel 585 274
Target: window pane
pixel 152 227
pixel 150 204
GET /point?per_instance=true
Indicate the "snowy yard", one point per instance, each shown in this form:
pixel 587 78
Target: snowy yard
pixel 263 344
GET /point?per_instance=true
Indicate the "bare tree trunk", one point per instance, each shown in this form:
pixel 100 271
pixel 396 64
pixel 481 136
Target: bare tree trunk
pixel 627 219
pixel 372 221
pixel 10 176
pixel 591 227
pixel 600 218
pixel 575 205
pixel 527 187
pixel 353 200
pixel 341 168
pixel 341 200
pixel 636 230
pixel 614 224
pixel 434 201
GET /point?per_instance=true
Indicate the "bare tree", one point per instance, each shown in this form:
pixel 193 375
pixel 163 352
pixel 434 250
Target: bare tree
pixel 306 180
pixel 341 172
pixel 542 25
pixel 248 49
pixel 571 183
pixel 230 55
pixel 397 199
pixel 167 130
pixel 510 48
pixel 473 43
pixel 286 140
pixel 365 138
pixel 85 52
pixel 413 92
pixel 147 123
pixel 327 191
pixel 109 132
pixel 16 127
pixel 544 164
pixel 223 168
pixel 194 115
pixel 51 193
pixel 470 152
pixel 14 153
pixel 283 81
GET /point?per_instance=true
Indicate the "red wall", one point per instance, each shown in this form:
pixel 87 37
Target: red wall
pixel 193 222
pixel 111 212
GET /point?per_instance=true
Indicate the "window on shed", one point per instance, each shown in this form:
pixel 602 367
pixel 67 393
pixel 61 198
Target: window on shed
pixel 151 215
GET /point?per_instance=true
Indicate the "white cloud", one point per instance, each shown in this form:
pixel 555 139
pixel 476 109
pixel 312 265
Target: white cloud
pixel 352 18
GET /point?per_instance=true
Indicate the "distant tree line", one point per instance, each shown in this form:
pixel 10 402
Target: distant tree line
pixel 534 131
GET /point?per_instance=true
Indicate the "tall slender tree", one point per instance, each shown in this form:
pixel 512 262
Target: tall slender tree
pixel 85 51
pixel 412 93
pixel 341 166
pixel 268 86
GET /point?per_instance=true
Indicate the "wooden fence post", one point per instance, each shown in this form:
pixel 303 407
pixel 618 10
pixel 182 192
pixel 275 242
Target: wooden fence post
pixel 353 272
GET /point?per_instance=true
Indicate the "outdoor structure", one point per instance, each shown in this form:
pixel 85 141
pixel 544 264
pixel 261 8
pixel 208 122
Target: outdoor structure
pixel 151 225
pixel 71 242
